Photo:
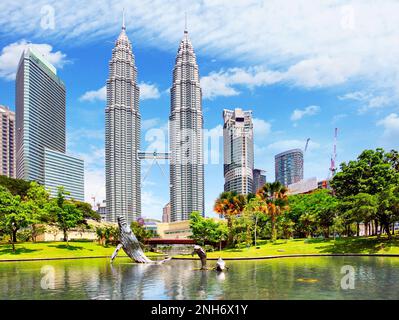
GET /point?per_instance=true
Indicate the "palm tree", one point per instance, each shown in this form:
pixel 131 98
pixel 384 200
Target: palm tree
pixel 229 205
pixel 255 207
pixel 275 196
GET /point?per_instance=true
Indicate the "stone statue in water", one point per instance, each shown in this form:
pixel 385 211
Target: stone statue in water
pixel 130 244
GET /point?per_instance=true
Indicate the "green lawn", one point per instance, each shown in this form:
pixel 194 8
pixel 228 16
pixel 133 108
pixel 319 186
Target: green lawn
pixel 46 250
pixel 368 245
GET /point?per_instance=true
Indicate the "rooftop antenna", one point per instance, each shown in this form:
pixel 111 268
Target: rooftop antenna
pixel 123 19
pixel 185 22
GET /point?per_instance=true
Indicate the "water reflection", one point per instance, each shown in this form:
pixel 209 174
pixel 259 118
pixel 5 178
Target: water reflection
pixel 294 278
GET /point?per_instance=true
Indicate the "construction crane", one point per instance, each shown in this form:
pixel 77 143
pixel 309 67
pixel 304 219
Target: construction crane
pixel 304 151
pixel 333 168
pixel 306 145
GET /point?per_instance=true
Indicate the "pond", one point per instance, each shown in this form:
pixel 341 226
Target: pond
pixel 287 278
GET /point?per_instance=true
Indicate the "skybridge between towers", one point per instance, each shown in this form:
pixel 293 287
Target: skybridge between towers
pixel 154 156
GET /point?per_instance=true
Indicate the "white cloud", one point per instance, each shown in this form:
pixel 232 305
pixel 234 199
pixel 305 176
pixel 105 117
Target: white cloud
pixel 339 117
pixel 224 82
pixel 391 129
pixel 317 72
pixel 262 128
pixel 298 114
pixel 150 123
pixel 93 95
pixel 11 54
pixel 368 101
pixel 317 44
pixel 147 91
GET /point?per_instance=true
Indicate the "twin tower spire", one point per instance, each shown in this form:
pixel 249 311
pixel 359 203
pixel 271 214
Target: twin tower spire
pixel 122 134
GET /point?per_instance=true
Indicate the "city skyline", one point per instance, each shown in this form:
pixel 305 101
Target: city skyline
pixel 286 111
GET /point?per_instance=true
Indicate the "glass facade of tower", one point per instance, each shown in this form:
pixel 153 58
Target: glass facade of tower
pixel 289 166
pixel 186 136
pixel 122 134
pixel 66 171
pixel 40 123
pixel 40 115
pixel 238 148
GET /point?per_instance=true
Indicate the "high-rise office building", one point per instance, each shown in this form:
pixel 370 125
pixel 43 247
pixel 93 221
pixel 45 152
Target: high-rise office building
pixel 289 166
pixel 64 170
pixel 259 179
pixel 40 127
pixel 238 151
pixel 186 136
pixel 7 142
pixel 122 134
pixel 40 114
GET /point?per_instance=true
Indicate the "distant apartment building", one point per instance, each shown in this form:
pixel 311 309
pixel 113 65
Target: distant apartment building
pixel 259 179
pixel 289 166
pixel 102 210
pixel 40 127
pixel 166 213
pixel 238 148
pixel 7 142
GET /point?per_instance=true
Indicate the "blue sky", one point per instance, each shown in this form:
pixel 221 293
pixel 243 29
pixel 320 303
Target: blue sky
pixel 303 68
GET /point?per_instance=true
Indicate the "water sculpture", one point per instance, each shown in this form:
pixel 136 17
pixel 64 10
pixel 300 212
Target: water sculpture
pixel 130 244
pixel 221 265
pixel 201 254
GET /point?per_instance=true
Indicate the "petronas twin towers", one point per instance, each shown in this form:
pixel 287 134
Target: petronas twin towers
pixel 122 135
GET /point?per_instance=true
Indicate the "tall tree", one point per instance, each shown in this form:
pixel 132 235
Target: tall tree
pixel 65 213
pixel 275 196
pixel 371 173
pixel 255 208
pixel 229 205
pixel 36 202
pixel 15 186
pixel 388 208
pixel 13 215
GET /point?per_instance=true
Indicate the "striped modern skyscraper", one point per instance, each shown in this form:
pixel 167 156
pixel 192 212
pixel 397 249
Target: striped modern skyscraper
pixel 238 151
pixel 40 133
pixel 122 134
pixel 186 136
pixel 40 114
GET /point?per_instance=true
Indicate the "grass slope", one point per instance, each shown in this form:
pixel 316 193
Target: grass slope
pixel 363 245
pixel 51 250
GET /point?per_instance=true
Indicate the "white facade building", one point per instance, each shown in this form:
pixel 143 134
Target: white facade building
pixel 122 134
pixel 186 136
pixel 238 151
pixel 7 142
